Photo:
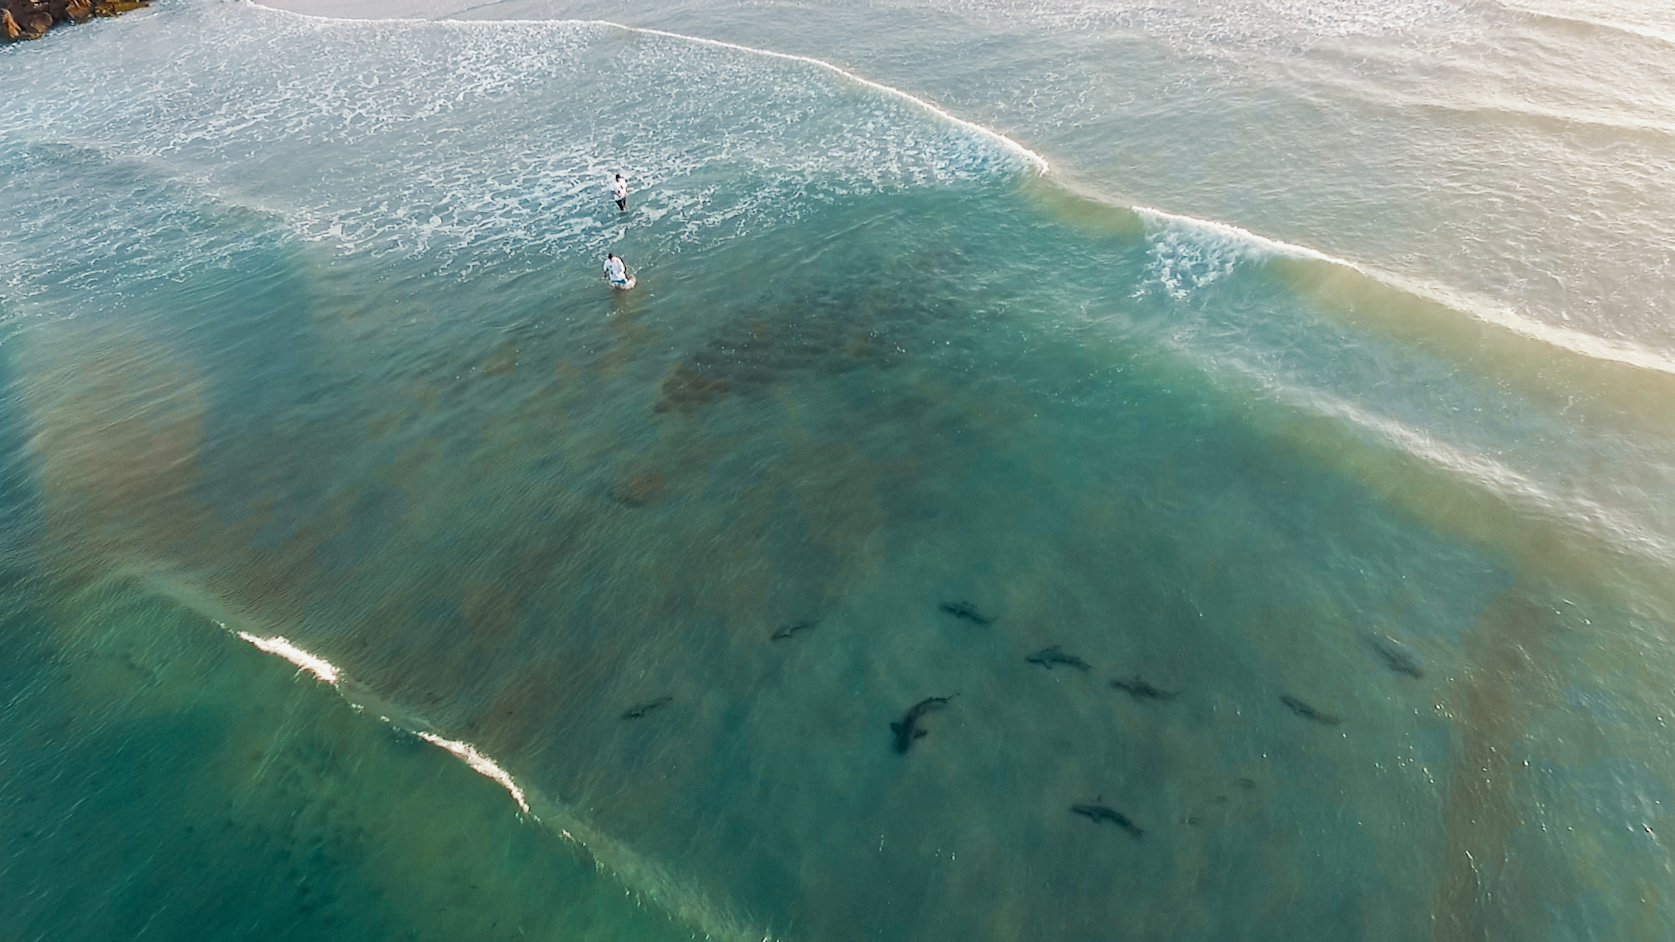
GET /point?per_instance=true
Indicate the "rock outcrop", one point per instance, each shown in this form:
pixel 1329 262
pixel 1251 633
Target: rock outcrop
pixel 30 19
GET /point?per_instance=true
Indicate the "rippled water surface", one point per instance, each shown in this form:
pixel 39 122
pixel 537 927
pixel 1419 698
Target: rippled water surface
pixel 368 569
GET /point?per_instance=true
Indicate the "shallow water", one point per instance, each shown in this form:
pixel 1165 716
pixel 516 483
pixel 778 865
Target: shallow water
pixel 308 342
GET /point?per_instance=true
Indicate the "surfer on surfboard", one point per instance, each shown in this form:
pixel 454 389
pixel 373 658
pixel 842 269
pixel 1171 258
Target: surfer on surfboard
pixel 619 192
pixel 616 273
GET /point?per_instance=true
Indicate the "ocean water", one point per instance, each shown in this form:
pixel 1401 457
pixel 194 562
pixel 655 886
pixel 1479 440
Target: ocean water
pixel 369 570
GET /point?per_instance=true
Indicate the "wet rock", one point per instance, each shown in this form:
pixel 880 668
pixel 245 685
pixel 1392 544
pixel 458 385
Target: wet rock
pixel 35 25
pixel 30 19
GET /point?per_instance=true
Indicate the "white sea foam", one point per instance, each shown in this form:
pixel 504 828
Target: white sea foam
pixel 1507 318
pixel 1250 241
pixel 1183 271
pixel 313 663
pixel 329 672
pixel 1039 162
pixel 1035 159
pixel 1189 254
pixel 636 873
pixel 411 179
pixel 481 764
pixel 448 150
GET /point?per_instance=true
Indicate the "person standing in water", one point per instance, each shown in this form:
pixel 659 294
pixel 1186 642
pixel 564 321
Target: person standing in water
pixel 615 271
pixel 619 192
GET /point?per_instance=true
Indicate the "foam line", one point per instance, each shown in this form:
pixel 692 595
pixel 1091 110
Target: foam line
pixel 481 764
pixel 1644 32
pixel 331 674
pixel 314 664
pixel 1039 162
pixel 1582 514
pixel 1154 215
pixel 1008 143
pixel 1564 338
pixel 1568 339
pixel 644 877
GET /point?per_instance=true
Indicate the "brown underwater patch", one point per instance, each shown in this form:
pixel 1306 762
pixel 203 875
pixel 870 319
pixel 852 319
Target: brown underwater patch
pixel 684 390
pixel 118 425
pixel 638 490
pixel 502 361
pixel 1481 881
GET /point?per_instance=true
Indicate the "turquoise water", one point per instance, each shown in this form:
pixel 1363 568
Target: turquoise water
pixel 304 339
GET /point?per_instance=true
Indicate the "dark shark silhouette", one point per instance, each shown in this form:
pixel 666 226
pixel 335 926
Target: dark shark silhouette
pixel 1396 655
pixel 1104 814
pixel 634 713
pixel 908 729
pixel 1047 657
pixel 787 631
pixel 1308 712
pixel 965 611
pixel 1140 690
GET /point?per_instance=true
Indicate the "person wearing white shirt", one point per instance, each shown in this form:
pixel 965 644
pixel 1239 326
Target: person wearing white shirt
pixel 619 192
pixel 615 271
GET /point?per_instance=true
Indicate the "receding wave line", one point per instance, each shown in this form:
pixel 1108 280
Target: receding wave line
pixel 1481 309
pixel 1553 335
pixel 1580 514
pixel 1008 143
pixel 1644 32
pixel 1546 116
pixel 1039 162
pixel 1583 514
